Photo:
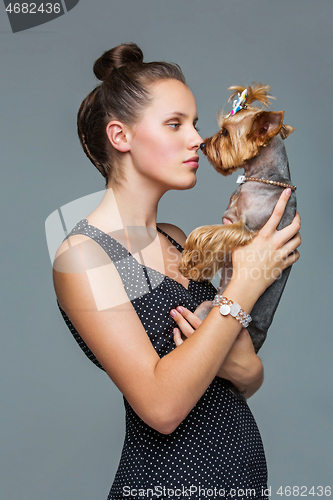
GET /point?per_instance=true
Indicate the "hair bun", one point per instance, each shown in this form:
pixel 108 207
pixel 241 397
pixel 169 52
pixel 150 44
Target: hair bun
pixel 115 58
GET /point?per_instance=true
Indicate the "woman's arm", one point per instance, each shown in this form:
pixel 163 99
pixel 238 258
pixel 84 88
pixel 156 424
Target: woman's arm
pixel 161 391
pixel 241 366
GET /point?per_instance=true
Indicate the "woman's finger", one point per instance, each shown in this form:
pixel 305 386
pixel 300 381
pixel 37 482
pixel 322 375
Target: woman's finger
pixel 277 213
pixel 292 258
pixel 182 323
pixel 292 245
pixel 291 230
pixel 177 337
pixel 287 256
pixel 190 317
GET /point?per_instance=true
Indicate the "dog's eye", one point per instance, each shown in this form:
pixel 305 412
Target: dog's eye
pixel 224 132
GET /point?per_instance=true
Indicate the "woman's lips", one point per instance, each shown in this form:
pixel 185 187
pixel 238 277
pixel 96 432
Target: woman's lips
pixel 225 220
pixel 193 162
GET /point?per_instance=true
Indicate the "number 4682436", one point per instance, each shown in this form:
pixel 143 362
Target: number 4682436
pixel 303 491
pixel 31 8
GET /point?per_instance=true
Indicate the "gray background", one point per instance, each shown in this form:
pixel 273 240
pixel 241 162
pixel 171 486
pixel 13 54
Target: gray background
pixel 61 417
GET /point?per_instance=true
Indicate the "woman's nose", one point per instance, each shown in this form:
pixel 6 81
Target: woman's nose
pixel 197 141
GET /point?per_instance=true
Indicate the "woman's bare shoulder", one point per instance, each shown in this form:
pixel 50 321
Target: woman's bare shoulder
pixel 77 250
pixel 81 268
pixel 174 231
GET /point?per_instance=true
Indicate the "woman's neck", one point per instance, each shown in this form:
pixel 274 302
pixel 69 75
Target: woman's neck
pixel 136 207
pixel 128 204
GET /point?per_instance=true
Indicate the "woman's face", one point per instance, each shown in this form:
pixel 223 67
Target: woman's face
pixel 165 138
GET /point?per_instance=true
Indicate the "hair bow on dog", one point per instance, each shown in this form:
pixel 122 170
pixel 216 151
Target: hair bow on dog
pixel 239 103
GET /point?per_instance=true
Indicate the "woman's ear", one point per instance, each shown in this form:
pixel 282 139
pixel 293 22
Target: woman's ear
pixel 118 135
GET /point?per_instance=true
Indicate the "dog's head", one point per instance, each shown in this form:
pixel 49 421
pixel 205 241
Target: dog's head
pixel 245 130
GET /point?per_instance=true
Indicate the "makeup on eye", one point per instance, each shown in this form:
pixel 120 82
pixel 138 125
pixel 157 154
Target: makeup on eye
pixel 178 124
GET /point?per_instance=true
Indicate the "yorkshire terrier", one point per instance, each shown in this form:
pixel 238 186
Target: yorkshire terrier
pixel 249 138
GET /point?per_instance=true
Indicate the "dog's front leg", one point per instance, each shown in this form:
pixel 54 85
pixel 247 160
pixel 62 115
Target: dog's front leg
pixel 203 309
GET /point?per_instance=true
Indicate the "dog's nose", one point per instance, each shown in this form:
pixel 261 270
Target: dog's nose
pixel 202 146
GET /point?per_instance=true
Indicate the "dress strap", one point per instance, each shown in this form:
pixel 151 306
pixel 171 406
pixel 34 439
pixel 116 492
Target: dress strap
pixel 174 242
pixel 112 247
pixel 137 279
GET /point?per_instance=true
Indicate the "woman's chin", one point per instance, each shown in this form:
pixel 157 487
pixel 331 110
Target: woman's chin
pixel 187 183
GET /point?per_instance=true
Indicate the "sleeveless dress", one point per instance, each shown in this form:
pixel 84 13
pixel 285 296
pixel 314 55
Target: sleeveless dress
pixel 217 450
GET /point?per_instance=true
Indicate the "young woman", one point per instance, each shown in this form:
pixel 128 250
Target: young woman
pixel 121 293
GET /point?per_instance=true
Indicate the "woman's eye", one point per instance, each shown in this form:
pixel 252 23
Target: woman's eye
pixel 196 128
pixel 174 125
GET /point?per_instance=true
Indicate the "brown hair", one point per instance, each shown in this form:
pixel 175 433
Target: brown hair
pixel 123 95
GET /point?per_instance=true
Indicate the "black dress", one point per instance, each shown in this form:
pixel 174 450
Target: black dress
pixel 217 450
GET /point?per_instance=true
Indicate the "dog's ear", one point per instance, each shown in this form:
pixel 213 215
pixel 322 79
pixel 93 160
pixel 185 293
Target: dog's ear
pixel 286 130
pixel 266 124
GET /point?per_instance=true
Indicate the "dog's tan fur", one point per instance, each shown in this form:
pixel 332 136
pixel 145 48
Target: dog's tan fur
pixel 207 247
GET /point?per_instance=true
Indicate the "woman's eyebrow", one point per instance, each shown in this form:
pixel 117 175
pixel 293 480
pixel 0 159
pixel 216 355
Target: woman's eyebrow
pixel 184 115
pixel 178 113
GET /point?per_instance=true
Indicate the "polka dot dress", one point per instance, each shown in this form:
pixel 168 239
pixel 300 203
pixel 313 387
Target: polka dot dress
pixel 217 450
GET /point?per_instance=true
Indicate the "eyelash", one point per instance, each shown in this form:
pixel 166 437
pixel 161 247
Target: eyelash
pixel 174 125
pixel 178 125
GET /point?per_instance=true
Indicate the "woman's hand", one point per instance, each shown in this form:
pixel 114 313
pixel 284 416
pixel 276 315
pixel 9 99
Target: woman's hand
pixel 260 262
pixel 241 366
pixel 187 322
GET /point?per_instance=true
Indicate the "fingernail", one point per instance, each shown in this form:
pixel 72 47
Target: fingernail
pixel 175 330
pixel 180 309
pixel 173 313
pixel 288 191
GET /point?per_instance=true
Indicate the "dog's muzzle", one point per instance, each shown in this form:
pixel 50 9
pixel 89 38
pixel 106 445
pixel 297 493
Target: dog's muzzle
pixel 202 146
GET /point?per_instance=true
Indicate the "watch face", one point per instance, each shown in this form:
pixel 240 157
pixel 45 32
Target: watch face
pixel 225 309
